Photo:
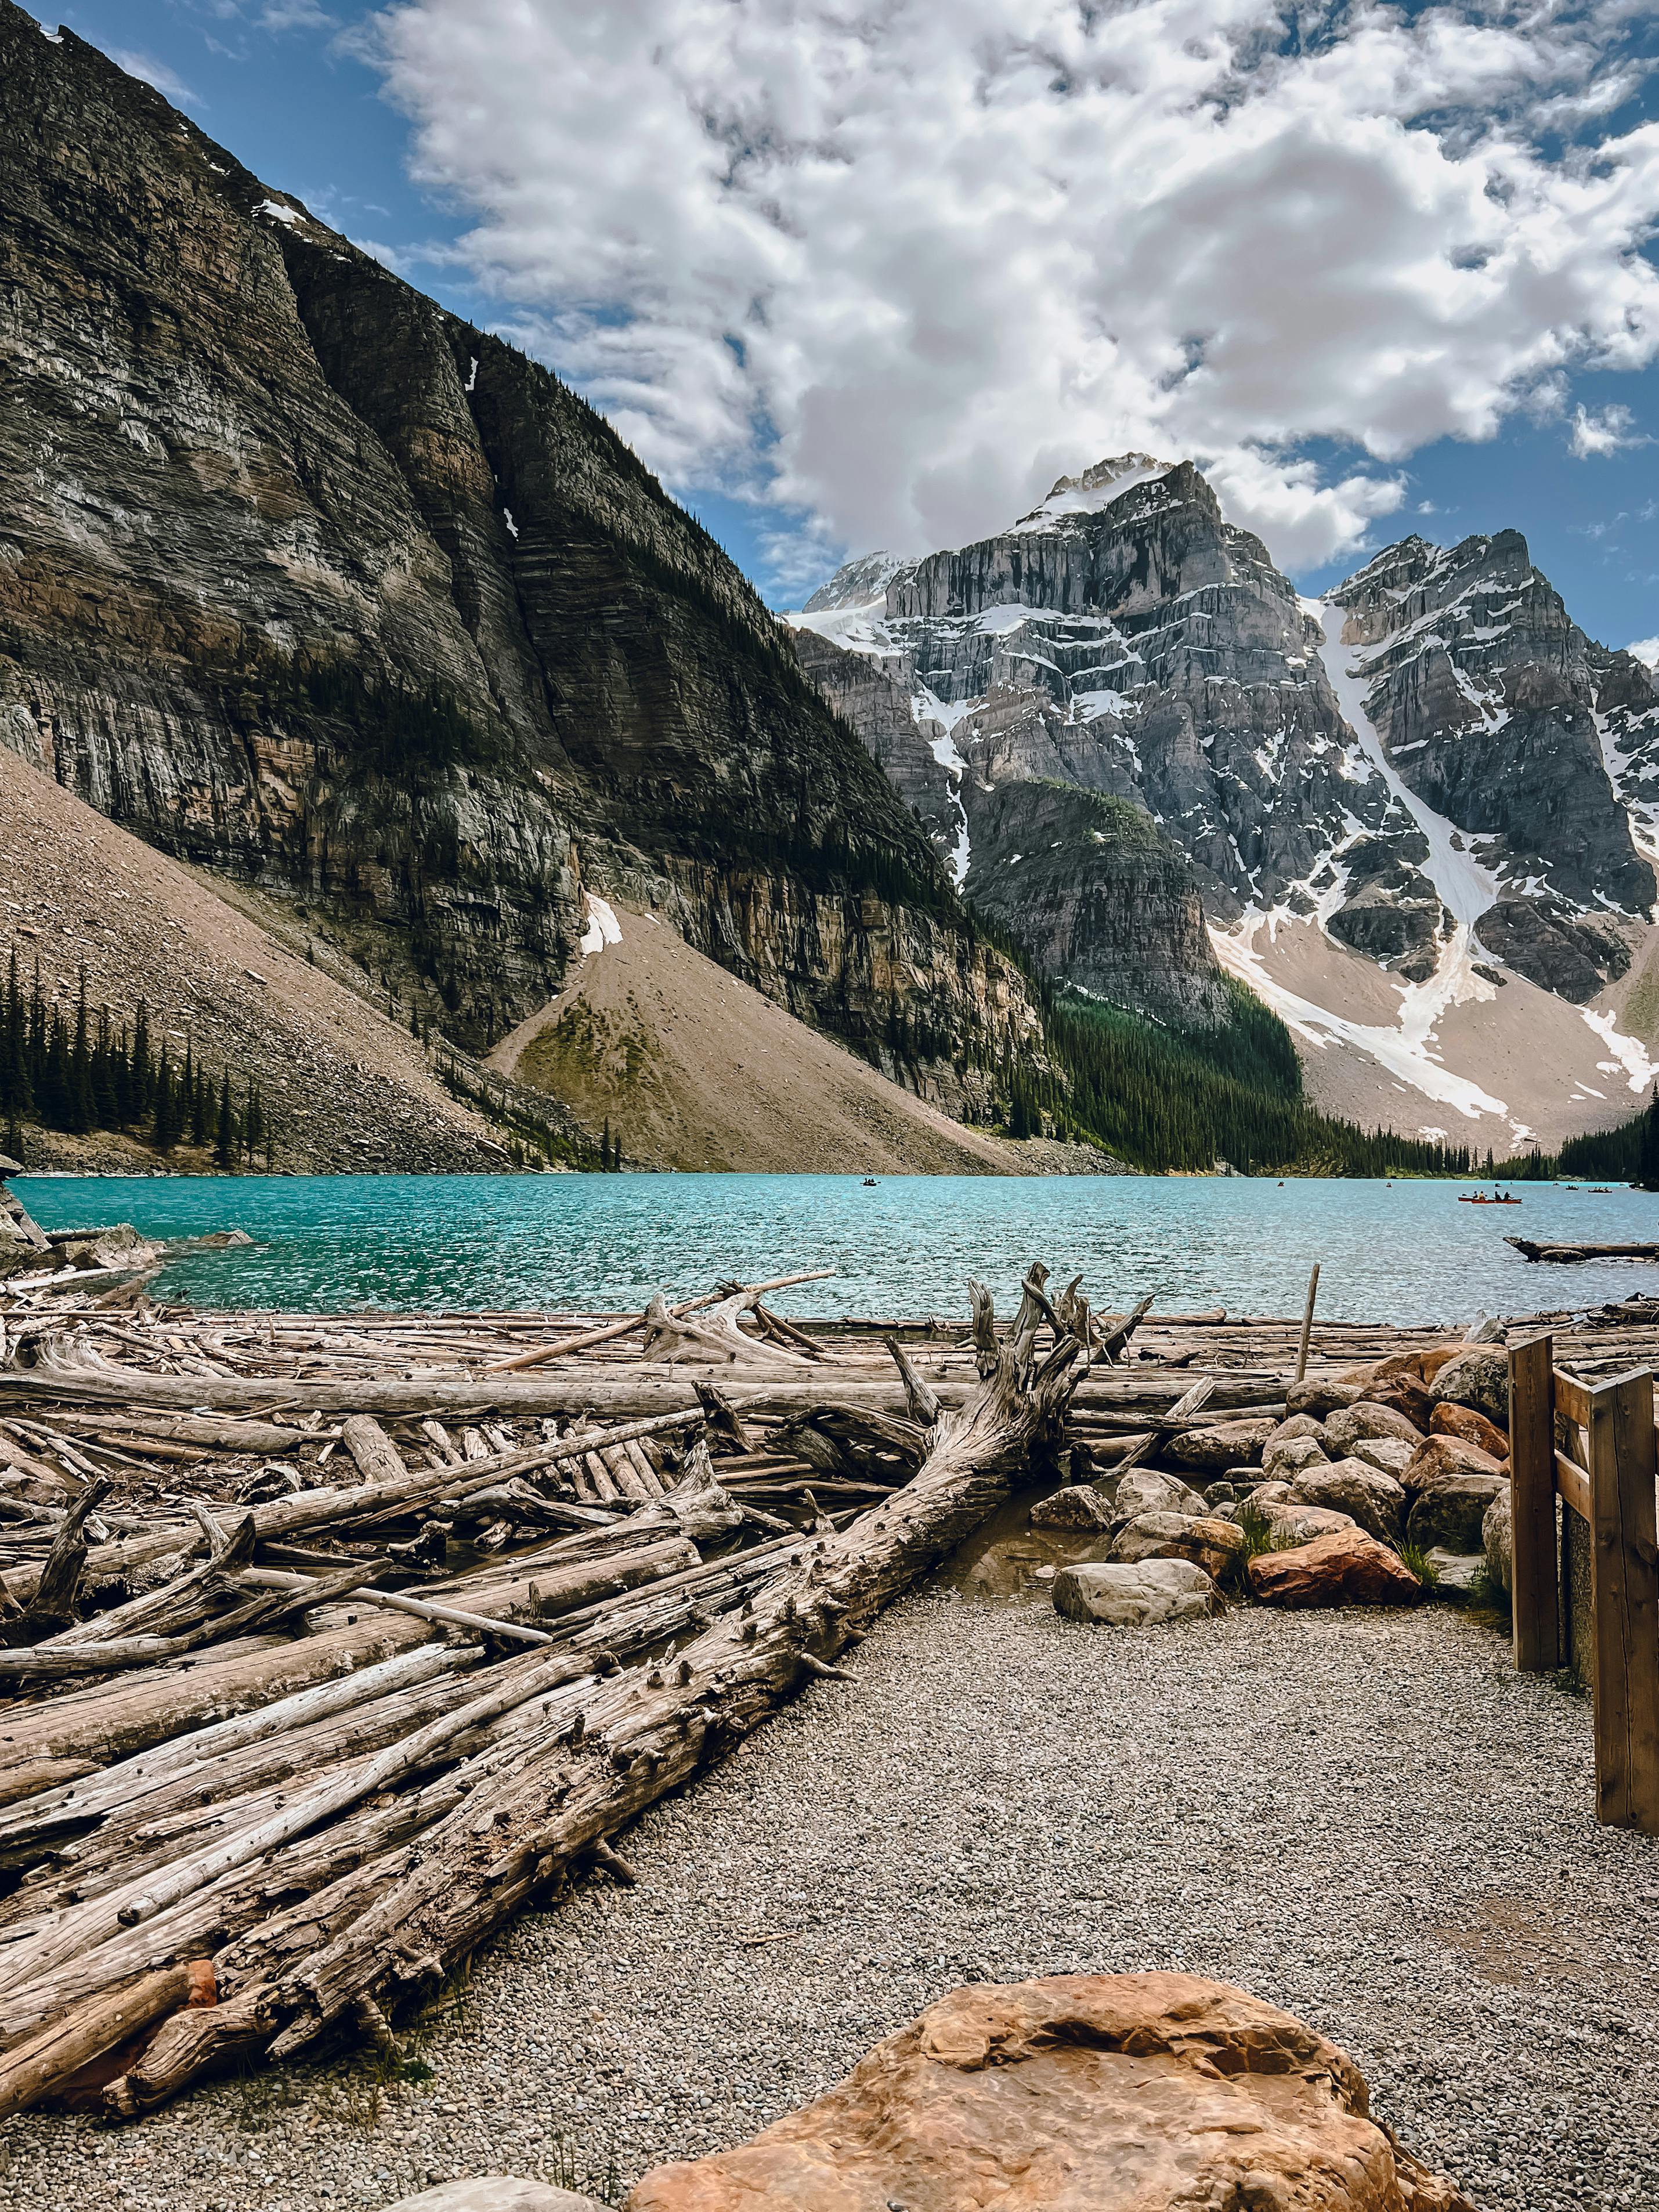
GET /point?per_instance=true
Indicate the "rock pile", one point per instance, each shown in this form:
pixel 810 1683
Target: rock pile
pixel 1404 1457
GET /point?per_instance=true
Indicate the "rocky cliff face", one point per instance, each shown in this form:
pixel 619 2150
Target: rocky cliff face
pixel 1504 718
pixel 303 578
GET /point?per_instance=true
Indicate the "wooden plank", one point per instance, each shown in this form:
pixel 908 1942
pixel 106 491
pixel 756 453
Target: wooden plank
pixel 1627 1602
pixel 1625 1581
pixel 1534 1574
pixel 1573 1398
pixel 1574 1485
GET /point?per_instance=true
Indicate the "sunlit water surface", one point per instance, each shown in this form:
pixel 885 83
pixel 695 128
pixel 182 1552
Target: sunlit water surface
pixel 1405 1251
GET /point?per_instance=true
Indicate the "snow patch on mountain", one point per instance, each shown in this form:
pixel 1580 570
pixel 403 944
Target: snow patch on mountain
pixel 1097 489
pixel 1406 1051
pixel 602 926
pixel 944 752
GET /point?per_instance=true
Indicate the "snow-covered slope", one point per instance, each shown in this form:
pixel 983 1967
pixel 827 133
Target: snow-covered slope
pixel 1420 812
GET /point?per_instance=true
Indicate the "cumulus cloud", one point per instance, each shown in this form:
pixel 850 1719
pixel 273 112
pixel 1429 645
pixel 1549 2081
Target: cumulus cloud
pixel 1645 648
pixel 1606 432
pixel 896 267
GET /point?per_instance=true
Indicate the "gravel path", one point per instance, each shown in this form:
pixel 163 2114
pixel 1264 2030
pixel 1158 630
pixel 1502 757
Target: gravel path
pixel 1368 1819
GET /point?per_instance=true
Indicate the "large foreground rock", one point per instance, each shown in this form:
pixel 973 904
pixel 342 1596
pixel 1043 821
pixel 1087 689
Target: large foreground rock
pixel 1078 2093
pixel 1347 1567
pixel 1134 1596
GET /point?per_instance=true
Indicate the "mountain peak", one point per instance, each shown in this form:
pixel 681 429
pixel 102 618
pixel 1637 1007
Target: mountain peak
pixel 1097 489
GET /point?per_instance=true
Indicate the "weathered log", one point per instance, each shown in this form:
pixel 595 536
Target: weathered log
pixel 1113 1343
pixel 646 1734
pixel 612 1332
pixel 190 2043
pixel 32 2070
pixel 377 1458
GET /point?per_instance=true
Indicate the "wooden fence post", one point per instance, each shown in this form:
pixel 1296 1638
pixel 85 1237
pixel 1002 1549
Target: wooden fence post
pixel 1535 1573
pixel 1624 1581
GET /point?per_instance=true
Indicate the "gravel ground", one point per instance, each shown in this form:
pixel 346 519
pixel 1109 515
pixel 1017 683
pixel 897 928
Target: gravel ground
pixel 1366 1818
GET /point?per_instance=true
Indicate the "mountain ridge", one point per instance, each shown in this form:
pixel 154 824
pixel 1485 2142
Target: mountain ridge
pixel 1124 639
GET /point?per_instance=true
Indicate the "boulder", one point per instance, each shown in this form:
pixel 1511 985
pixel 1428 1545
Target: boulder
pixel 1209 1543
pixel 496 2192
pixel 1473 1426
pixel 1320 1399
pixel 1142 2092
pixel 1294 1424
pixel 1350 1424
pixel 1289 1520
pixel 1074 1507
pixel 1144 1490
pixel 1453 1572
pixel 1479 1376
pixel 1368 1496
pixel 1392 1454
pixel 1497 1541
pixel 1285 1457
pixel 1346 1567
pixel 1405 1366
pixel 1134 1596
pixel 1225 1444
pixel 1450 1515
pixel 1221 1493
pixel 1436 1458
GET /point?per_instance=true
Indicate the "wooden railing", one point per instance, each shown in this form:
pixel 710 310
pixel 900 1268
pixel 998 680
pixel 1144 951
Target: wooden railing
pixel 1593 1446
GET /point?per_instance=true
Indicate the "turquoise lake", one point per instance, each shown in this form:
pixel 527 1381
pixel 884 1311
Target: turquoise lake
pixel 1403 1252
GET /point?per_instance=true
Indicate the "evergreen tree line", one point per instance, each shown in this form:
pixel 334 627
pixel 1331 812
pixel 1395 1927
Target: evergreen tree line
pixel 1163 1100
pixel 82 1072
pixel 1629 1153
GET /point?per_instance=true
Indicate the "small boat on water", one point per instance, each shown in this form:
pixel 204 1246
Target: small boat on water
pixel 869 1182
pixel 1479 1197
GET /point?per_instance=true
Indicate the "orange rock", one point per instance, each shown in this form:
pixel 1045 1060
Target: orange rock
pixel 1138 2093
pixel 1442 1456
pixel 1347 1567
pixel 1474 1428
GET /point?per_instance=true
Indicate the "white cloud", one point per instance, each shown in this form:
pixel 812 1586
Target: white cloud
pixel 152 72
pixel 898 266
pixel 1647 650
pixel 1607 432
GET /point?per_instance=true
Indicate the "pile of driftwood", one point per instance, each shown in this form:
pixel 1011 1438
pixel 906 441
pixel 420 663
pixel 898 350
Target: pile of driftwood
pixel 330 1642
pixel 300 1710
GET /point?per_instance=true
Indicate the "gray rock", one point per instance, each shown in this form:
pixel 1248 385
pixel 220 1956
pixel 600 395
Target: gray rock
pixel 1393 1454
pixel 1497 1541
pixel 1455 1572
pixel 1349 1425
pixel 1321 1399
pixel 1284 1459
pixel 1137 1597
pixel 1479 1377
pixel 496 2192
pixel 1449 1516
pixel 1216 1448
pixel 1365 1493
pixel 1077 1506
pixel 1144 1490
pixel 1293 1424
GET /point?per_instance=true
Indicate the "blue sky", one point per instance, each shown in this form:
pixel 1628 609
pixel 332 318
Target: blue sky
pixel 786 464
